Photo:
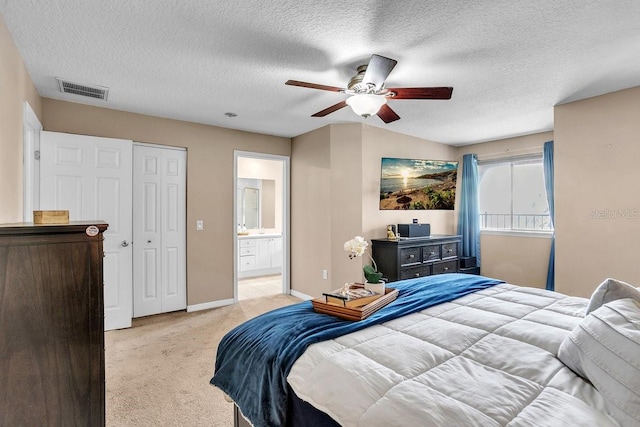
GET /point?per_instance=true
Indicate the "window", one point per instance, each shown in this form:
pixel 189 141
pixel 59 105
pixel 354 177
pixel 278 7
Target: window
pixel 513 196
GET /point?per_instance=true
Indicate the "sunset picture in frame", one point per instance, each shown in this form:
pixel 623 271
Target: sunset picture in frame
pixel 415 184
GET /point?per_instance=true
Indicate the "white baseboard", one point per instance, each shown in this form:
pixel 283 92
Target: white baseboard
pixel 300 295
pixel 208 305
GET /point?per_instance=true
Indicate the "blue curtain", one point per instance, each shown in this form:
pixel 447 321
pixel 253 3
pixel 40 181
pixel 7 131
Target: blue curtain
pixel 469 213
pixel 547 159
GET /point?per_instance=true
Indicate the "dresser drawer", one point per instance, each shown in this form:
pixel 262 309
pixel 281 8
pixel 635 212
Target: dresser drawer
pixel 413 272
pixel 251 250
pixel 449 250
pixel 415 257
pixel 431 253
pixel 247 243
pixel 246 263
pixel 409 256
pixel 445 267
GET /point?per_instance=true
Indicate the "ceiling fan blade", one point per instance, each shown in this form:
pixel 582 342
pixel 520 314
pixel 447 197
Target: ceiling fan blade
pixel 378 70
pixel 421 92
pixel 387 114
pixel 331 109
pixel 313 86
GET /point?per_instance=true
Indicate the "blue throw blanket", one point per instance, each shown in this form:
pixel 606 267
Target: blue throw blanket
pixel 254 359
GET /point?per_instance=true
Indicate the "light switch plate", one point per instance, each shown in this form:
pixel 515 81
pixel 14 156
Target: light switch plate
pixel 199 225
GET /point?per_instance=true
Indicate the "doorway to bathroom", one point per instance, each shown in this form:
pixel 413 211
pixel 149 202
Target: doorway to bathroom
pixel 261 225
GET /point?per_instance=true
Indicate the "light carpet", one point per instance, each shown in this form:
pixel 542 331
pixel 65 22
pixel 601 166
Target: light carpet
pixel 158 371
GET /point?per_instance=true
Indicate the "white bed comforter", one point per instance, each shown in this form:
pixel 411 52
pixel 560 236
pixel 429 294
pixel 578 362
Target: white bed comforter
pixel 486 359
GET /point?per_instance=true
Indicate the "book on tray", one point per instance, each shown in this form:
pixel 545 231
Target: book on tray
pixel 351 295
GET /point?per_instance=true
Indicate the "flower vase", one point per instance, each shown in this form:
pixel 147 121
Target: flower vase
pixel 375 287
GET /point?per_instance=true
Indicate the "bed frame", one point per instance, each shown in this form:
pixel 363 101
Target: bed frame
pixel 238 419
pixel 299 414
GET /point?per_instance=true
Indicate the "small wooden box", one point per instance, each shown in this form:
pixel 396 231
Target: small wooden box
pixel 51 217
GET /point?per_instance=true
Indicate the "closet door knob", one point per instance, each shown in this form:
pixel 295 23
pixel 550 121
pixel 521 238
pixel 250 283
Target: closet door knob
pixel 124 244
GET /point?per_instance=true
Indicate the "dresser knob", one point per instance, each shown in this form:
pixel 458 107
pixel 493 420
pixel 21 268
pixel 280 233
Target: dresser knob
pixel 432 253
pixel 446 269
pixel 417 274
pixel 449 250
pixel 412 256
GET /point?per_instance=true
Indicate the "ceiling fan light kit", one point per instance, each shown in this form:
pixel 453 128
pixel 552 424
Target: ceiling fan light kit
pixel 368 94
pixel 366 104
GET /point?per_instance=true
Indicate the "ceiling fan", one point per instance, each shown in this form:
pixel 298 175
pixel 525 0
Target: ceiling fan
pixel 368 94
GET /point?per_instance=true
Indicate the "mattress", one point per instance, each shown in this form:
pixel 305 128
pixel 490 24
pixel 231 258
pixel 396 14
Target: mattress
pixel 485 359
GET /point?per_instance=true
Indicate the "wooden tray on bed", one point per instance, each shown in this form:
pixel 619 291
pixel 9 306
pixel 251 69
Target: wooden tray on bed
pixel 355 313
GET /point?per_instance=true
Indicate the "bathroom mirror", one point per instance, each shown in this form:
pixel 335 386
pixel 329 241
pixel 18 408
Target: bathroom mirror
pixel 251 203
pixel 256 203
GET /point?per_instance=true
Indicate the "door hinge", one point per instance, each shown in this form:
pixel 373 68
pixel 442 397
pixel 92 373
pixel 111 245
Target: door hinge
pixel 36 154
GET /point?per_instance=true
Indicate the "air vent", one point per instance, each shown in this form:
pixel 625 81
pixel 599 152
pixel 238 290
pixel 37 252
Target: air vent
pixel 92 91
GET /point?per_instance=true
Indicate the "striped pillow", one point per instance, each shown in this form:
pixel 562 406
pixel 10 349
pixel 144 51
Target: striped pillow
pixel 605 349
pixel 609 290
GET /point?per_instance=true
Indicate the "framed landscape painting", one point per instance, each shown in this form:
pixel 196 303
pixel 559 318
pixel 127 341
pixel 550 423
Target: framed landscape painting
pixel 417 184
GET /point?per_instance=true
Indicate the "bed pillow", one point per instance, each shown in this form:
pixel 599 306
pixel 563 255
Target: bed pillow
pixel 605 349
pixel 610 290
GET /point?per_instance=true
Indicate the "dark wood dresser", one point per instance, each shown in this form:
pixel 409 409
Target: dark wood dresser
pixel 51 325
pixel 416 257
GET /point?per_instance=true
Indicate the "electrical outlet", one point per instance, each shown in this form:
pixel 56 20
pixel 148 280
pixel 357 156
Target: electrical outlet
pixel 325 274
pixel 199 225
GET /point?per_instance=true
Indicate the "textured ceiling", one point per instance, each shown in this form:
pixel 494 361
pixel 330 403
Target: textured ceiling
pixel 509 61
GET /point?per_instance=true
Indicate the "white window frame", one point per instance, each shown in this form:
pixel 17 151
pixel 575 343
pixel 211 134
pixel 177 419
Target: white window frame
pixel 513 231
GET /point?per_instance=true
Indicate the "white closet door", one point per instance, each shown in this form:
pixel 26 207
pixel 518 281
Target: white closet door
pixel 91 178
pixel 159 218
pixel 174 242
pixel 147 183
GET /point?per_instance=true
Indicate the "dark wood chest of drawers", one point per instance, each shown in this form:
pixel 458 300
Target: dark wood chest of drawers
pixel 52 325
pixel 416 257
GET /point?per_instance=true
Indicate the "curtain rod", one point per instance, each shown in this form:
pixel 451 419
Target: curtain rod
pixel 532 152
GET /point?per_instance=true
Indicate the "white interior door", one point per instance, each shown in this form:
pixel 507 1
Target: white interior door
pixel 31 166
pixel 159 224
pixel 91 178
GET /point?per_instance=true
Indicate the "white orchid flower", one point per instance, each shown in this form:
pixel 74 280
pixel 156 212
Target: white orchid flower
pixel 356 246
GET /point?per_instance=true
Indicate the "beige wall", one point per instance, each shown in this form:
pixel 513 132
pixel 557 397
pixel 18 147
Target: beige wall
pixel 331 155
pixel 210 182
pixel 346 202
pixel 597 147
pixel 512 258
pixel 521 260
pixel 335 196
pixel 311 211
pixel 378 143
pixel 16 87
